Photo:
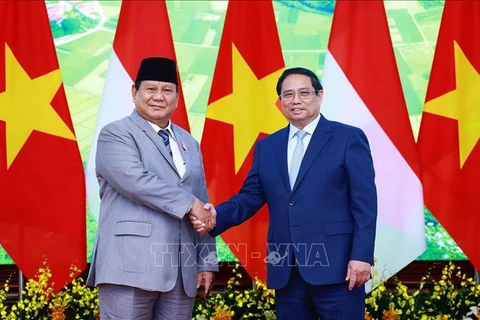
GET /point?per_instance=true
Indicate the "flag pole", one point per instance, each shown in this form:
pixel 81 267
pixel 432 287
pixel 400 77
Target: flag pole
pixel 477 276
pixel 20 284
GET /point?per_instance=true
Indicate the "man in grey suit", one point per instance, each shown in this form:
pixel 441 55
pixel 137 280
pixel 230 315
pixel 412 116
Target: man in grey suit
pixel 148 259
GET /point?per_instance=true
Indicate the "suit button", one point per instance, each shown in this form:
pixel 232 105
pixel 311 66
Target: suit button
pixel 181 185
pixel 292 203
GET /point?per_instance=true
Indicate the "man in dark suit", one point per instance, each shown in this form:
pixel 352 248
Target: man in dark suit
pixel 317 178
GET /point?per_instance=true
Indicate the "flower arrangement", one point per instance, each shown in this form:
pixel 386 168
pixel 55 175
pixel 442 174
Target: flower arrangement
pixel 255 303
pixel 76 301
pixel 432 299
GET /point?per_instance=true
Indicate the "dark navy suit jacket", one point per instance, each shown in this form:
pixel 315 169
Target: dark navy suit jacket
pixel 327 219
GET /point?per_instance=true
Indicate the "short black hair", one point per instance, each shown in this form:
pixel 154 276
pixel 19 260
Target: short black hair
pixel 317 86
pixel 137 85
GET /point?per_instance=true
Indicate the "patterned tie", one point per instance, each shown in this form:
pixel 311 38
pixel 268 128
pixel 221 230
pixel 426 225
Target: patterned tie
pixel 164 134
pixel 297 157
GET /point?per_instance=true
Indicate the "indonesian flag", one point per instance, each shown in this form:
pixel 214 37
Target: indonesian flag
pixel 450 127
pixel 42 186
pixel 241 109
pixel 362 88
pixel 143 31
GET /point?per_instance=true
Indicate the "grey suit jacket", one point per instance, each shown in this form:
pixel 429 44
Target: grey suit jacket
pixel 144 231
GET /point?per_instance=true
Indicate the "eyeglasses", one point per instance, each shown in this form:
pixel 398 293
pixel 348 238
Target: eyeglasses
pixel 302 94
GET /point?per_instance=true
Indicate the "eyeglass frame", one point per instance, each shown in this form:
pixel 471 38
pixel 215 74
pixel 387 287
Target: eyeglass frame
pixel 295 92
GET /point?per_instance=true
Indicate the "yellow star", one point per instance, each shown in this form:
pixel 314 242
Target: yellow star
pixel 461 104
pixel 25 106
pixel 250 108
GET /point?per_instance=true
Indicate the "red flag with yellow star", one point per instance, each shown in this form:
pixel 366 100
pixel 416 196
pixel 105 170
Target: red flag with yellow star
pixel 42 188
pixel 241 109
pixel 450 127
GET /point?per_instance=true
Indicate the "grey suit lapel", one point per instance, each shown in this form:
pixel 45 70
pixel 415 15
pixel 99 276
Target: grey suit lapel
pixel 319 138
pixel 153 136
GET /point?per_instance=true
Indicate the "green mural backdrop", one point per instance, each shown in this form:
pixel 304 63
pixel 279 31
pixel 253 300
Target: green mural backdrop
pixel 84 33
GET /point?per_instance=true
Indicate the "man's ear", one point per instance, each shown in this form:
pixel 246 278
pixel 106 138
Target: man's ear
pixel 320 94
pixel 134 92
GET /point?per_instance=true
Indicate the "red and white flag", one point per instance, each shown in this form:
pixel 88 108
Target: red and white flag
pixel 362 88
pixel 143 31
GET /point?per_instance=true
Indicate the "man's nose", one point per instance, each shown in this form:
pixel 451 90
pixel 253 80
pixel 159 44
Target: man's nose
pixel 296 97
pixel 159 95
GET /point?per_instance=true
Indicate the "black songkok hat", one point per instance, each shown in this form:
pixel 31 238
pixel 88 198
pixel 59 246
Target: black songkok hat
pixel 157 69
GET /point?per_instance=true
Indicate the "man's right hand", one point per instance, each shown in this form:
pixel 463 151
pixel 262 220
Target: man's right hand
pixel 203 220
pixel 208 207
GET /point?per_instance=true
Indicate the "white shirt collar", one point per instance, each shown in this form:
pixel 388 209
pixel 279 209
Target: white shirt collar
pixel 168 127
pixel 309 128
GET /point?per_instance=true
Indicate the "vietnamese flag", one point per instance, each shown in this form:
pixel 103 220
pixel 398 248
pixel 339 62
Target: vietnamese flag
pixel 362 88
pixel 42 187
pixel 241 109
pixel 143 31
pixel 450 127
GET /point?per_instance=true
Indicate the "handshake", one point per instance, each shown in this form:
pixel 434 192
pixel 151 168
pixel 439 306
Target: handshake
pixel 202 216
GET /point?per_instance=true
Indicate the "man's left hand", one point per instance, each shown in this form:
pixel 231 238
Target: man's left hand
pixel 358 273
pixel 205 278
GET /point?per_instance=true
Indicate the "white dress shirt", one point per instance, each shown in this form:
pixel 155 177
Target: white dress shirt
pixel 176 154
pixel 292 138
